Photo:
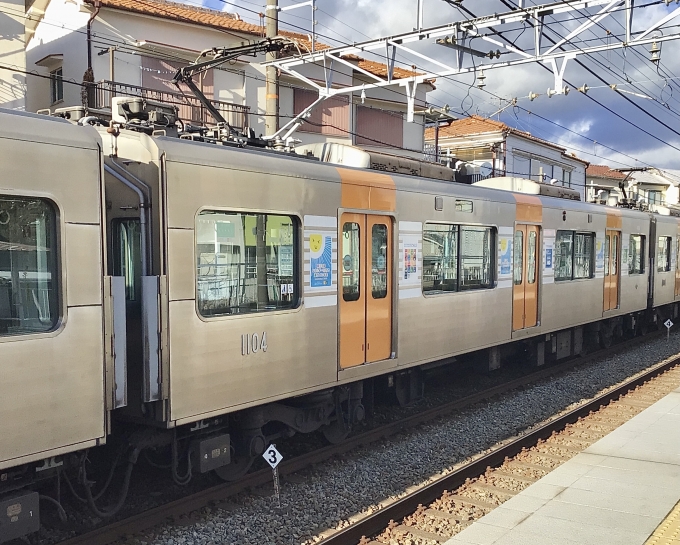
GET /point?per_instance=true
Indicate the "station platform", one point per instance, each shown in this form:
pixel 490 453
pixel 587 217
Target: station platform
pixel 623 490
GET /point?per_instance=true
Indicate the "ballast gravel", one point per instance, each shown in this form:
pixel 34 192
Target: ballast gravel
pixel 331 494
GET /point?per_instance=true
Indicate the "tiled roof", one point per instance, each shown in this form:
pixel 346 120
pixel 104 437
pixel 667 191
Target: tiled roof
pixel 476 125
pixel 228 21
pixel 603 171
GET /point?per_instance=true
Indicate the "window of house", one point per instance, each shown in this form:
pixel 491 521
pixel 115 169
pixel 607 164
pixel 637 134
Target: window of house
pixel 246 263
pixel 566 178
pixel 655 197
pixel 663 255
pixel 636 253
pixel 57 85
pixel 29 267
pixel 574 255
pixel 457 258
pixel 329 117
pixel 377 127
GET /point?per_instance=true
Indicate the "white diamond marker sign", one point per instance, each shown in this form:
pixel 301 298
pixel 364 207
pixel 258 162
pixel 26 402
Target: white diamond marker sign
pixel 668 325
pixel 272 456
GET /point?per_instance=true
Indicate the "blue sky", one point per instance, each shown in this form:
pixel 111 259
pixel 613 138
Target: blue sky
pixel 344 21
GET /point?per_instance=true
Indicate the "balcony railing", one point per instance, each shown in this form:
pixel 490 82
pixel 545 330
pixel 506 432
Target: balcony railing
pixel 190 108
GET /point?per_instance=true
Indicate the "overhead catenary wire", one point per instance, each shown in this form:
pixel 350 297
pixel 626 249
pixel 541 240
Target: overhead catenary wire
pixel 580 135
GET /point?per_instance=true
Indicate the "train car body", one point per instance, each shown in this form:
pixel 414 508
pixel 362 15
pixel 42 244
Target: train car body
pixel 221 297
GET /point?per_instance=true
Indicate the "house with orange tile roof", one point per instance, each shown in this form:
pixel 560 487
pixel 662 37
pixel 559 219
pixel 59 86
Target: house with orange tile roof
pixel 134 47
pixel 12 82
pixel 603 182
pixel 503 150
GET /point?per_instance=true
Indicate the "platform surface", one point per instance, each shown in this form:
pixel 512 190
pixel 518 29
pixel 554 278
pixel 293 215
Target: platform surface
pixel 616 492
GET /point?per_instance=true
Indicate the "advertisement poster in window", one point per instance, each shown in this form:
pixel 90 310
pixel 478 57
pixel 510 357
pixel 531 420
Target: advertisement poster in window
pixel 410 259
pixel 321 253
pixel 505 257
pixel 599 253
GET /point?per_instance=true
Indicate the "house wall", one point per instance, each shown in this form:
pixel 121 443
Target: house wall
pixel 520 151
pixel 12 84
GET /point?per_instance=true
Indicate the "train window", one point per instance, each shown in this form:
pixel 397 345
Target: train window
pixel 531 257
pixel 584 252
pixel 564 255
pixel 127 257
pixel 351 262
pixel 518 263
pixel 457 258
pixel 440 258
pixel 663 258
pixel 246 263
pixel 29 267
pixel 476 257
pixel 574 255
pixel 607 242
pixel 636 252
pixel 615 255
pixel 379 261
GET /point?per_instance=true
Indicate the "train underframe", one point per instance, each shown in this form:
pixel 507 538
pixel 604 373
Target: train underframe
pixel 230 445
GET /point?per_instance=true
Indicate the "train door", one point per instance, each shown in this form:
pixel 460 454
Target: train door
pixel 525 277
pixel 366 298
pixel 612 269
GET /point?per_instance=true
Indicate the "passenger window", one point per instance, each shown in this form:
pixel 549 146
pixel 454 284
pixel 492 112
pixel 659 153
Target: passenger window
pixel 457 257
pixel 476 257
pixel 575 255
pixel 128 256
pixel 636 252
pixel 379 261
pixel 663 259
pixel 518 257
pixel 615 255
pixel 351 270
pixel 29 266
pixel 564 255
pixel 531 258
pixel 584 255
pixel 440 258
pixel 245 263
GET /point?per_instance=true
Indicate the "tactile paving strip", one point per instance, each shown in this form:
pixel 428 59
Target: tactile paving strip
pixel 668 532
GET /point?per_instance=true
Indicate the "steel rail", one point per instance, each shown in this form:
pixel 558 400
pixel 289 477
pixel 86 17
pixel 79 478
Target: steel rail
pixel 378 521
pixel 155 516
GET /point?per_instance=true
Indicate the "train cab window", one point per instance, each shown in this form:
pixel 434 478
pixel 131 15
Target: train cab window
pixel 29 267
pixel 518 260
pixel 246 263
pixel 351 261
pixel 663 258
pixel 636 253
pixel 574 255
pixel 457 258
pixel 379 261
pixel 440 258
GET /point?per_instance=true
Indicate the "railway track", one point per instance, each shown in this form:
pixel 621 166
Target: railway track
pixel 138 523
pixel 436 512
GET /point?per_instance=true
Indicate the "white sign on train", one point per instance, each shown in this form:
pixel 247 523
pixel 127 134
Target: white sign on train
pixel 272 456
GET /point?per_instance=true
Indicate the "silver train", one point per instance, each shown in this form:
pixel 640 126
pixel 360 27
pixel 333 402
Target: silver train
pixel 193 301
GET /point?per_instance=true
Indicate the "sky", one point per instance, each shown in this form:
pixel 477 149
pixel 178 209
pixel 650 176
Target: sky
pixel 601 133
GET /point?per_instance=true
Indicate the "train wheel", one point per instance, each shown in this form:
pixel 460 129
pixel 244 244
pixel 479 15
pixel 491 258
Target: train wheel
pixel 235 470
pixel 335 433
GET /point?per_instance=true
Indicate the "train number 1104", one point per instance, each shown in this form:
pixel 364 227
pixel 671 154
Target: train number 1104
pixel 251 343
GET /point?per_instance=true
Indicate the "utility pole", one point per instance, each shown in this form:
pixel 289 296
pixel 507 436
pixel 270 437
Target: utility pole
pixel 272 109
